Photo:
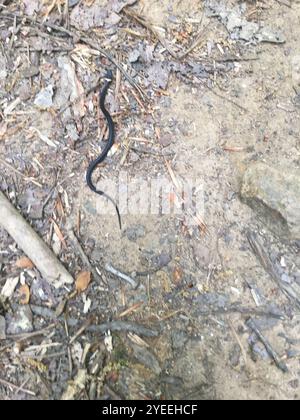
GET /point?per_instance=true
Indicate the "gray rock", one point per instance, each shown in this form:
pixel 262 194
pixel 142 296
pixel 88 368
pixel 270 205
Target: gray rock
pixel 134 56
pixel 72 132
pixel 21 321
pixel 135 232
pixel 2 328
pixel 275 195
pixel 240 28
pixel 44 98
pixel 30 71
pixel 161 261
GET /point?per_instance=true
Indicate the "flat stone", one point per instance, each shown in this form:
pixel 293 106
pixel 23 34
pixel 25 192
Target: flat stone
pixel 274 193
pixel 44 99
pixel 21 321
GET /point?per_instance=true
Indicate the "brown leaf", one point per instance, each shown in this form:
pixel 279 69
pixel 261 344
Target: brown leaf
pixel 177 275
pixel 24 293
pixel 24 262
pixel 82 282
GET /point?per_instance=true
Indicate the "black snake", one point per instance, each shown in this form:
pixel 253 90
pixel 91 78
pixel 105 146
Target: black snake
pixel 111 139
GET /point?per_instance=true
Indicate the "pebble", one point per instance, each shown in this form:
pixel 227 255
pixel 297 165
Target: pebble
pixel 44 99
pixel 20 322
pixel 274 194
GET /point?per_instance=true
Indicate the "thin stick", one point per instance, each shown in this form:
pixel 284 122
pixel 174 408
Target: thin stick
pixel 69 348
pixel 16 171
pixel 28 336
pixel 17 388
pixel 281 365
pixel 82 329
pixel 80 251
pixel 33 246
pixel 124 326
pixel 238 341
pixel 122 276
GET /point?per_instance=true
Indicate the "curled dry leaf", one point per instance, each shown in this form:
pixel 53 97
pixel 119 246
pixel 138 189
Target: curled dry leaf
pixel 82 282
pixel 24 293
pixel 24 262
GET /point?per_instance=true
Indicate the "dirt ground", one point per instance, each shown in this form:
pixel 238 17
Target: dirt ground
pixel 227 104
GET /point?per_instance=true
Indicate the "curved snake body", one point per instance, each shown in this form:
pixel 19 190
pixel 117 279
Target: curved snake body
pixel 111 139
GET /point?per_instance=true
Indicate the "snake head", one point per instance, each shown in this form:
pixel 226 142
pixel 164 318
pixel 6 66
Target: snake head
pixel 109 75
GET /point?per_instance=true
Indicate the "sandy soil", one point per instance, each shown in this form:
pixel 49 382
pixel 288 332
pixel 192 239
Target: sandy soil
pixel 215 134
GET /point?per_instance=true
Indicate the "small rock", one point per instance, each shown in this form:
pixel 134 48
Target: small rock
pixel 30 71
pixel 161 261
pixel 44 99
pixel 135 232
pixel 235 356
pixel 72 132
pixel 275 195
pixel 21 321
pixel 2 328
pixel 134 56
pixel 158 73
pixel 166 140
pixel 25 90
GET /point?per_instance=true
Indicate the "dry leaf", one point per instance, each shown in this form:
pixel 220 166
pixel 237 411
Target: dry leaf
pixel 24 262
pixel 177 275
pixel 24 293
pixel 82 282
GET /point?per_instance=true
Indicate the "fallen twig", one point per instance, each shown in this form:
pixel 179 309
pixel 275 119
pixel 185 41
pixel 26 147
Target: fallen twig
pixel 29 336
pixel 29 179
pixel 148 25
pixel 124 326
pixel 82 254
pixel 122 276
pixel 288 289
pixel 281 365
pixel 32 245
pixel 17 388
